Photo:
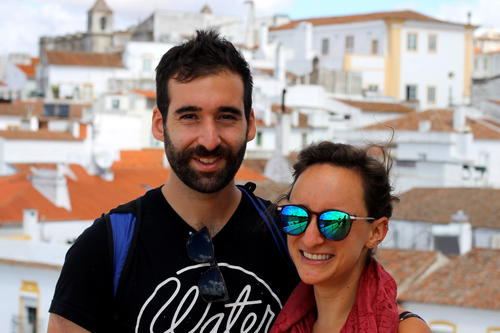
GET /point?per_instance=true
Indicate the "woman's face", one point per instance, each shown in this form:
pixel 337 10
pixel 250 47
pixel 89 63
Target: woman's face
pixel 318 260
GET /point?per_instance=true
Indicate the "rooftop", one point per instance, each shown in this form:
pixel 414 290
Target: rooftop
pixel 87 59
pixel 30 70
pixel 471 280
pixel 90 195
pixel 441 121
pixel 480 204
pixel 394 15
pixel 406 266
pixel 377 106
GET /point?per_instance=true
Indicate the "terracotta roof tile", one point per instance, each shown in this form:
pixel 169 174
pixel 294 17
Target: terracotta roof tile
pixel 147 93
pixel 470 280
pixel 403 15
pixel 405 266
pixel 441 121
pixel 277 108
pixel 480 204
pixel 91 195
pixel 3 84
pixel 41 134
pixel 30 70
pixel 72 58
pixel 495 101
pixel 377 106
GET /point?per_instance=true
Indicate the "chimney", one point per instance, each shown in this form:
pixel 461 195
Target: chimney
pixel 279 64
pixel 264 36
pixel 31 227
pixel 459 120
pixel 249 22
pixel 52 185
pixel 464 231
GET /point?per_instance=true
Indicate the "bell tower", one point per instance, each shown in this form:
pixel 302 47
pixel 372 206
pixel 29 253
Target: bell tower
pixel 99 27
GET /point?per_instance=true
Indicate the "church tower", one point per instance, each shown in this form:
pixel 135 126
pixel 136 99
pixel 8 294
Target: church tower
pixel 99 27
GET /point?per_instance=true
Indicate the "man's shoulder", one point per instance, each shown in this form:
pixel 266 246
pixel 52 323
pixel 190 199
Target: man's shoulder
pixel 133 205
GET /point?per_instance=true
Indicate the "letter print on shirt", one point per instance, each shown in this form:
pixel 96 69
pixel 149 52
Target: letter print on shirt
pixel 176 305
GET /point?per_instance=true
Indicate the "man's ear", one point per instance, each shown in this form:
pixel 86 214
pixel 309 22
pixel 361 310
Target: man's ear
pixel 251 126
pixel 157 124
pixel 378 232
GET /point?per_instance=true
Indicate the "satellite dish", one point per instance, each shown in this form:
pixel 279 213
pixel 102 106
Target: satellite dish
pixel 103 159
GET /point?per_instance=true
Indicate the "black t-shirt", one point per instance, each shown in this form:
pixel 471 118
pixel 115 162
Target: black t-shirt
pixel 158 291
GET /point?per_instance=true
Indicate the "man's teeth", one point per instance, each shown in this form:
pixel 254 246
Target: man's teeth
pixel 317 256
pixel 207 160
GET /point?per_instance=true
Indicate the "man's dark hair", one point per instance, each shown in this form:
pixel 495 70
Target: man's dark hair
pixel 207 53
pixel 374 173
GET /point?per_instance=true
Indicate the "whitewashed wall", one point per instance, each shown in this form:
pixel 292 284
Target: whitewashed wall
pixel 467 320
pixel 37 151
pixel 424 68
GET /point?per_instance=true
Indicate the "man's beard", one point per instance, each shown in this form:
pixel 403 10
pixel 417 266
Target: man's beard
pixel 204 182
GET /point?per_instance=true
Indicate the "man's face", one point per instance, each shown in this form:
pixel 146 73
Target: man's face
pixel 206 131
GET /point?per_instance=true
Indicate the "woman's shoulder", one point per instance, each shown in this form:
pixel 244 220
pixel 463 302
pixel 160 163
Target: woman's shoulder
pixel 410 322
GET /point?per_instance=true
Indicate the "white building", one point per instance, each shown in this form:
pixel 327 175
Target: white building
pixel 18 74
pixel 436 148
pixel 123 121
pixel 403 54
pixel 450 220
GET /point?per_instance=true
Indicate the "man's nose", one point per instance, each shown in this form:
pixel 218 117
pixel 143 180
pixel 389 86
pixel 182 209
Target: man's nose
pixel 209 136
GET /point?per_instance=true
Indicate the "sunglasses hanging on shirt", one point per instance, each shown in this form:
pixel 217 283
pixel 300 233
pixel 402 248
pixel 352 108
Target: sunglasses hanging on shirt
pixel 211 283
pixel 333 224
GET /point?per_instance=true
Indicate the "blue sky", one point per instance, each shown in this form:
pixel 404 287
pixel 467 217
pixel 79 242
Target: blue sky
pixel 23 22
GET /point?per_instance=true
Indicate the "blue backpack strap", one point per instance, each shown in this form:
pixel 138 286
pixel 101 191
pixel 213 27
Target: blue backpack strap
pixel 122 226
pixel 261 207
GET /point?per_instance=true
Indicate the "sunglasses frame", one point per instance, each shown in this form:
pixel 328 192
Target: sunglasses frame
pixel 206 280
pixel 310 213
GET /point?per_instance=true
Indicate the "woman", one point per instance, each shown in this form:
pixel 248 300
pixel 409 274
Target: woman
pixel 336 214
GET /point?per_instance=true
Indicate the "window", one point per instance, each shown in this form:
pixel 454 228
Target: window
pixel 49 110
pixel 258 139
pixel 411 92
pixel 28 320
pixel 374 46
pixel 304 140
pixel 373 87
pixel 411 44
pixel 325 46
pixel 432 43
pixel 431 95
pixel 115 104
pixel 103 23
pixel 147 63
pixel 88 91
pixel 349 44
pixel 56 110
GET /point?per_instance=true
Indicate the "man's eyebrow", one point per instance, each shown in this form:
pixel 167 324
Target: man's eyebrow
pixel 187 108
pixel 230 109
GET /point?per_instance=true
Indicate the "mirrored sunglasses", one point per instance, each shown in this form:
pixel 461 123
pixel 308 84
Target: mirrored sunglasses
pixel 211 283
pixel 333 224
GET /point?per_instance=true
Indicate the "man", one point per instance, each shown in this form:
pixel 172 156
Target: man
pixel 172 280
